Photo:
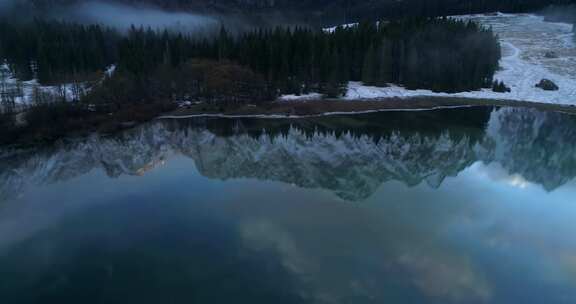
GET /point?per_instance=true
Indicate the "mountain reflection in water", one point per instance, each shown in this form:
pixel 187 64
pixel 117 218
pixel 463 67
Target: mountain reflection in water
pixel 464 206
pixel 351 156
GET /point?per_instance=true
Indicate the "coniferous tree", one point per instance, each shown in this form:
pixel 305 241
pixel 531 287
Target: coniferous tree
pixel 369 70
pixel 440 54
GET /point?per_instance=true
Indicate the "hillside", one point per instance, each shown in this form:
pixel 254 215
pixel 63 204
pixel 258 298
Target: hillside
pixel 324 12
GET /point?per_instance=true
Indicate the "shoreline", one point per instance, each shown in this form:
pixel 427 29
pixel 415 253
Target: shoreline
pixel 279 110
pixel 335 107
pixel 279 116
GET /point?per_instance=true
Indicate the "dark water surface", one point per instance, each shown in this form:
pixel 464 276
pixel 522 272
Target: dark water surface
pixel 472 205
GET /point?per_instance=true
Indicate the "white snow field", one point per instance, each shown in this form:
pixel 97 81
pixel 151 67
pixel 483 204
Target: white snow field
pixel 532 49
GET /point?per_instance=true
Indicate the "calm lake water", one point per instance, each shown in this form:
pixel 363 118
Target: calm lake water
pixel 474 205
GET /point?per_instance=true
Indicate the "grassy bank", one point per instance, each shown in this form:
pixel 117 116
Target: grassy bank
pixel 322 107
pixel 48 123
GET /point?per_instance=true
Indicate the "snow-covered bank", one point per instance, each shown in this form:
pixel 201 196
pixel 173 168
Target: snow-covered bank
pixel 533 49
pixel 311 96
pixel 23 92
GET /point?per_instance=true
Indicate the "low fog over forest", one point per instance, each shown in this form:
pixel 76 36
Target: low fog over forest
pixel 238 13
pixel 141 58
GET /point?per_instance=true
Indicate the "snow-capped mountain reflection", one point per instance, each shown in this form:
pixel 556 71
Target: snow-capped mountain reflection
pixel 350 162
pixel 539 146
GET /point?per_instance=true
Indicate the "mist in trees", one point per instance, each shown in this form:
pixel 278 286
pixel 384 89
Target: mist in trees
pixel 266 12
pixel 438 54
pixel 53 51
pixel 157 68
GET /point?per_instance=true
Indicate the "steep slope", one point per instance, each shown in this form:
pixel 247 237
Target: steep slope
pixel 323 12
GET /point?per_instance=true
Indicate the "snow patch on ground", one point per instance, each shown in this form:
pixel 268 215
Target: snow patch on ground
pixel 356 90
pixel 311 96
pixel 69 91
pixel 532 48
pixel 23 91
